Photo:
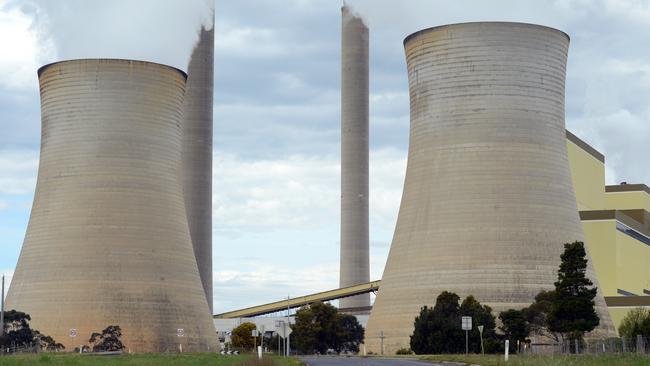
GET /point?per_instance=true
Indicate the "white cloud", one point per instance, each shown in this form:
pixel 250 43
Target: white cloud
pixel 18 170
pixel 267 282
pixel 246 41
pixel 157 31
pixel 297 196
pixel 22 52
pixel 299 191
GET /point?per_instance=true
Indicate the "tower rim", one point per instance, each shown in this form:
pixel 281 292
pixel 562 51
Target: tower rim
pixel 413 35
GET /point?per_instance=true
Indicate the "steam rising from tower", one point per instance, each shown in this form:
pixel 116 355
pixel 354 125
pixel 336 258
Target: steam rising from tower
pixel 354 267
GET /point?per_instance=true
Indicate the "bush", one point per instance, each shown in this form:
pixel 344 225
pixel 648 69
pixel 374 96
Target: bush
pixel 404 351
pixel 636 322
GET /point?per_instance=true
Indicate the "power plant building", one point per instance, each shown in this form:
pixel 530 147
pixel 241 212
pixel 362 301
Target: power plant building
pixel 616 223
pixel 108 240
pixel 197 154
pixel 488 199
pixel 354 260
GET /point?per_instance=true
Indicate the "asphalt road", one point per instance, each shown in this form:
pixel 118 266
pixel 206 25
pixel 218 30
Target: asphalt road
pixel 357 361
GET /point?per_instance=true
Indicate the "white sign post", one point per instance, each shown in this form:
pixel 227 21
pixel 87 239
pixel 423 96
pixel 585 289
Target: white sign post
pixel 180 332
pixel 73 334
pixel 507 350
pixel 466 324
pixel 480 332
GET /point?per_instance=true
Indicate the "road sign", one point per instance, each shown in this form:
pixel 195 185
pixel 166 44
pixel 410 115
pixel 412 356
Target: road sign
pixel 284 331
pixel 180 332
pixel 254 333
pixel 73 333
pixel 466 323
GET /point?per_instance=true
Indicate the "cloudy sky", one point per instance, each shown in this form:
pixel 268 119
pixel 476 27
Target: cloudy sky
pixel 276 134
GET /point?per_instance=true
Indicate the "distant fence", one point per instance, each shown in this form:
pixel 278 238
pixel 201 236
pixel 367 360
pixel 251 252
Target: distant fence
pixel 638 345
pixel 19 349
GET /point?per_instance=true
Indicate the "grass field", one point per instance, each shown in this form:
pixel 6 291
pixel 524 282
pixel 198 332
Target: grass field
pixel 187 359
pixel 583 360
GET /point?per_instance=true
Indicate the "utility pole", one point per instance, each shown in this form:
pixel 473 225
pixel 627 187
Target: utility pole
pixel 2 308
pixel 288 325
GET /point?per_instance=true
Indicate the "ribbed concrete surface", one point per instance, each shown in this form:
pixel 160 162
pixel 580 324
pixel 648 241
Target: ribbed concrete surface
pixel 108 241
pixel 354 266
pixel 488 200
pixel 197 154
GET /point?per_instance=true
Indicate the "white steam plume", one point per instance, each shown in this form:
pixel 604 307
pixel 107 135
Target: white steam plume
pixel 148 30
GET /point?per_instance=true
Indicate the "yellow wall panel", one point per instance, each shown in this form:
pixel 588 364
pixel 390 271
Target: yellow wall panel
pixel 601 240
pixel 588 176
pixel 632 261
pixel 627 200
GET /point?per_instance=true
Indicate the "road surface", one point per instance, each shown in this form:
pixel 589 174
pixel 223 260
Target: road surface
pixel 357 361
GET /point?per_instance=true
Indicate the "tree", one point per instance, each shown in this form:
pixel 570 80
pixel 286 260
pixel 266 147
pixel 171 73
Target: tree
pixel 17 328
pixel 636 322
pixel 108 340
pixel 514 326
pixel 319 327
pixel 242 336
pixel 438 329
pixel 304 331
pixel 349 334
pixel 573 312
pixel 47 343
pixel 19 333
pixel 537 314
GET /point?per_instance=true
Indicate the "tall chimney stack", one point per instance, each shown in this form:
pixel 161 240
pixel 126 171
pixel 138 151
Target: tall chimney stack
pixel 354 157
pixel 197 154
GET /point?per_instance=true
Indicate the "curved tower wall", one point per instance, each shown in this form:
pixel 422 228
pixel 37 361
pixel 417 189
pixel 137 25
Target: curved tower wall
pixel 488 200
pixel 107 241
pixel 354 266
pixel 197 154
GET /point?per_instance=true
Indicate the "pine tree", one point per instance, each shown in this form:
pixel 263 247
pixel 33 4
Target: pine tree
pixel 573 311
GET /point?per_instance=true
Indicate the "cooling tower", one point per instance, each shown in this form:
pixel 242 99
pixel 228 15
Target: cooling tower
pixel 108 241
pixel 354 266
pixel 488 201
pixel 197 154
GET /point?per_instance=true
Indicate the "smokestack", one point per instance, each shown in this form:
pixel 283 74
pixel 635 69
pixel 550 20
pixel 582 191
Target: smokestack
pixel 488 200
pixel 354 157
pixel 108 241
pixel 197 154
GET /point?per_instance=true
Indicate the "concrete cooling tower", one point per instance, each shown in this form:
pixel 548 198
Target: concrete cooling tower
pixel 488 201
pixel 354 267
pixel 197 154
pixel 108 241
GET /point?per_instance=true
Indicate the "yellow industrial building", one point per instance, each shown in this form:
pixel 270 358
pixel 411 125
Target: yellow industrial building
pixel 616 223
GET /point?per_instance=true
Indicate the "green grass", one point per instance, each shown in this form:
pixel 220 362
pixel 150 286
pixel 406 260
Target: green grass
pixel 582 360
pixel 186 359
